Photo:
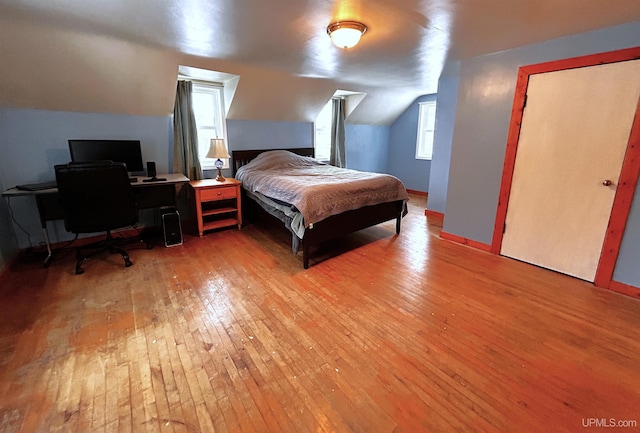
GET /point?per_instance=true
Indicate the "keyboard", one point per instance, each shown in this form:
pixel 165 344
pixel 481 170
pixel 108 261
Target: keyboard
pixel 37 186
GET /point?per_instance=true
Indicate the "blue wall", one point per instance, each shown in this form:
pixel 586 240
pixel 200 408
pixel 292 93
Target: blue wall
pixel 253 134
pixel 627 268
pixel 484 102
pixel 33 141
pixel 403 164
pixel 367 147
pixel 445 122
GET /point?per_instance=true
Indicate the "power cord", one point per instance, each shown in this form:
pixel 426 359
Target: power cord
pixel 17 223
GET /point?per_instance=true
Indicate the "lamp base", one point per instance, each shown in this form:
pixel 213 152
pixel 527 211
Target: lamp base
pixel 219 177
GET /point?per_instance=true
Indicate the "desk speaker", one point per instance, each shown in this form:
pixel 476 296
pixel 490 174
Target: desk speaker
pixel 151 169
pixel 171 227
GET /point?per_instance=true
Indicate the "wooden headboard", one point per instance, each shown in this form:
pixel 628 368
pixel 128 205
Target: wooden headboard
pixel 242 157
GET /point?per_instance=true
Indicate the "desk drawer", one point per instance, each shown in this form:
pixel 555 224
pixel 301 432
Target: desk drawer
pixel 218 193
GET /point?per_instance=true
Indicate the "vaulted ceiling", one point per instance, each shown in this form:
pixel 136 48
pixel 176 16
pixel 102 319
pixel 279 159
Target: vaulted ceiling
pixel 122 56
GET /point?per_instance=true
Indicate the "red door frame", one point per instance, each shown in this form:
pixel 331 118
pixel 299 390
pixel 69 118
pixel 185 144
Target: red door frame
pixel 630 165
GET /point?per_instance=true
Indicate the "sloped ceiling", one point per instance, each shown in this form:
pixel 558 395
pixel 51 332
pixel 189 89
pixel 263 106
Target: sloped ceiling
pixel 122 56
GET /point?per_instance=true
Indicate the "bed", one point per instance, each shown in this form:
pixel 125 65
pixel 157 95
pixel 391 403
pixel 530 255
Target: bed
pixel 288 184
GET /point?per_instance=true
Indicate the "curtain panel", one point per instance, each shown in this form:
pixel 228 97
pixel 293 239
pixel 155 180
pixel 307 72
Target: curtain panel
pixel 338 156
pixel 185 134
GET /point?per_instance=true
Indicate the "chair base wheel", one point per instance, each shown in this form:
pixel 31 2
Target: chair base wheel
pixel 108 244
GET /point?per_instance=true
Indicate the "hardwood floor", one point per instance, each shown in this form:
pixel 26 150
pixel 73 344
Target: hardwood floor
pixel 227 333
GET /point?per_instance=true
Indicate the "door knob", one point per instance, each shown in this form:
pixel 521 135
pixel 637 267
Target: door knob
pixel 607 182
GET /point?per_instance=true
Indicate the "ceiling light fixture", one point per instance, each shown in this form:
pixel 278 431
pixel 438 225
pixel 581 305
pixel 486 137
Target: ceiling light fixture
pixel 346 34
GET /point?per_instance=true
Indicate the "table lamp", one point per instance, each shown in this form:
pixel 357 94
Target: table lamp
pixel 218 150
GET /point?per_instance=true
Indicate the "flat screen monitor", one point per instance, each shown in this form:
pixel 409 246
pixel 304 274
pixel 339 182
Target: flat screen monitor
pixel 127 151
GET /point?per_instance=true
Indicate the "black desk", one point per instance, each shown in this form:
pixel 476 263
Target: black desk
pixel 150 195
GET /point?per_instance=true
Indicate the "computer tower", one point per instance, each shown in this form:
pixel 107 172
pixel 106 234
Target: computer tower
pixel 171 227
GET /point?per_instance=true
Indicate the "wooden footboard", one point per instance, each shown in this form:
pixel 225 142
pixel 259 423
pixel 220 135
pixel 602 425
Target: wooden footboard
pixel 337 225
pixel 349 222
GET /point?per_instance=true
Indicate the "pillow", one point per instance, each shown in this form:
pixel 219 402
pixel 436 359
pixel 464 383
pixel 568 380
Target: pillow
pixel 275 159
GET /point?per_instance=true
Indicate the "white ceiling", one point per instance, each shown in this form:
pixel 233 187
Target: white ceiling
pixel 122 56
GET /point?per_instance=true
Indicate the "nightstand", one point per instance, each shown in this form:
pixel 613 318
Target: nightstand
pixel 217 203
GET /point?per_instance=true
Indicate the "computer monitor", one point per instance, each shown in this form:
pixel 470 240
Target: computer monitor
pixel 126 151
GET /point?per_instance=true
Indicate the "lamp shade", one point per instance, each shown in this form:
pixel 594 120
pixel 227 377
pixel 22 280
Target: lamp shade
pixel 217 149
pixel 346 34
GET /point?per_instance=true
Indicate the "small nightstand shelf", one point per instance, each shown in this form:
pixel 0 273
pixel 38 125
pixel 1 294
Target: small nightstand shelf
pixel 217 204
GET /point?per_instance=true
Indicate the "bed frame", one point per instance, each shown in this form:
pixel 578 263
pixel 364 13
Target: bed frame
pixel 336 225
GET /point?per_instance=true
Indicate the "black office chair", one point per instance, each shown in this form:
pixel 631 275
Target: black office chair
pixel 96 197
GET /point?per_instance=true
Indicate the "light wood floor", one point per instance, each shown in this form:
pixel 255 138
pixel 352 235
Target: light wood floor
pixel 228 333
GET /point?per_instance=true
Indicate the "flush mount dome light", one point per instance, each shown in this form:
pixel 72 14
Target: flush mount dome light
pixel 346 34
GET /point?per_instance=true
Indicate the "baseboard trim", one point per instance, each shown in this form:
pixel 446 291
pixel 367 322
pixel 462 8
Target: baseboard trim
pixel 465 241
pixel 11 264
pixel 422 193
pixel 433 213
pixel 625 289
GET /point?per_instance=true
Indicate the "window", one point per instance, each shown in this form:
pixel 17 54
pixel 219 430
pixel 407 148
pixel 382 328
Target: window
pixel 322 128
pixel 426 129
pixel 208 109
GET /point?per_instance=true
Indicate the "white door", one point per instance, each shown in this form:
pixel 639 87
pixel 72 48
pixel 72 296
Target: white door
pixel 574 133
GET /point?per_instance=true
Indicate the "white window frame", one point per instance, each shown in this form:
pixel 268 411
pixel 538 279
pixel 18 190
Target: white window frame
pixel 322 132
pixel 216 128
pixel 426 130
